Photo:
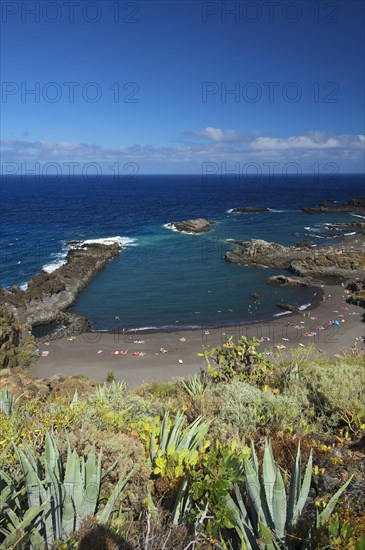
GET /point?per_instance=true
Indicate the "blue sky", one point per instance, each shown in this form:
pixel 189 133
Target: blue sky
pixel 179 86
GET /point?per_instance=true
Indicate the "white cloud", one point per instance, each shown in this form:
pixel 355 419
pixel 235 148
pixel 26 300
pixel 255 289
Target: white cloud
pixel 313 141
pixel 218 145
pixel 216 134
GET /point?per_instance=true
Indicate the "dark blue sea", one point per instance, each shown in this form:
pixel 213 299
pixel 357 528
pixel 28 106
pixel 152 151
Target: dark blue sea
pixel 165 279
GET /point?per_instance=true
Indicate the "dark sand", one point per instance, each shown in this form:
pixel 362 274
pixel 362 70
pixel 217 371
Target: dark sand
pixel 79 356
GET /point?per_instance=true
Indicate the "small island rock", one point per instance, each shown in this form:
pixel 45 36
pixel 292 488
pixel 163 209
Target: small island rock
pixel 200 225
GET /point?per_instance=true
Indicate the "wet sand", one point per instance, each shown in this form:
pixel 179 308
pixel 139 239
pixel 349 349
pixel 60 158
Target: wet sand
pixel 93 354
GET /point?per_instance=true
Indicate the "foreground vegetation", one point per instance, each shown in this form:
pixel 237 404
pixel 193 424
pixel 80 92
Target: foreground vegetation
pixel 249 454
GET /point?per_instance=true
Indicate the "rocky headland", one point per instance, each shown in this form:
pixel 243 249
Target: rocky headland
pixel 250 209
pixel 200 225
pixel 338 261
pixel 49 295
pixel 354 205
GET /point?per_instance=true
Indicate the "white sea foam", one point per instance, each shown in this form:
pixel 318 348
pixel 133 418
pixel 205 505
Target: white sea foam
pixel 123 241
pixel 60 258
pixel 318 236
pixel 358 216
pixel 230 211
pixel 304 306
pixel 145 328
pixel 49 268
pixel 172 227
pixel 276 210
pixel 350 234
pixel 24 286
pixel 282 313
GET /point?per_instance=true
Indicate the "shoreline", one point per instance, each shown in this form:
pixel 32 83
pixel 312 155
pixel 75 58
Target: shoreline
pixel 93 354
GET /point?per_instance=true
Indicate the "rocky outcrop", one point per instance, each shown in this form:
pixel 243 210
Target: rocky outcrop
pixel 303 262
pixel 357 296
pixel 250 209
pixel 330 264
pixel 17 346
pixel 199 225
pixel 48 294
pixel 354 205
pixel 260 253
pixel 66 324
pixel 286 280
pixel 288 307
pixel 359 225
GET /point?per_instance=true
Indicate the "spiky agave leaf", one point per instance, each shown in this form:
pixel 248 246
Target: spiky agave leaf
pixel 255 462
pixel 269 475
pixel 56 495
pixel 327 511
pixel 294 487
pixel 6 401
pixel 91 484
pixel 175 432
pixel 194 434
pixel 22 530
pixel 104 515
pixel 253 489
pixel 242 527
pixel 279 505
pixel 304 491
pixel 164 432
pixel 35 491
pixel 179 509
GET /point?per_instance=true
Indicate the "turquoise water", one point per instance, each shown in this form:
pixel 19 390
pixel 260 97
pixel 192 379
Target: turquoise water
pixel 165 279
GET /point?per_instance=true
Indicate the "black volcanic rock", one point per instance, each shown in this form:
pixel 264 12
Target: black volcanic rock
pixel 48 294
pixel 286 280
pixel 304 262
pixel 250 209
pixel 260 253
pixel 354 205
pixel 288 307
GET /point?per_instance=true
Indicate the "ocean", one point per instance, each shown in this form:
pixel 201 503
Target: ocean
pixel 164 279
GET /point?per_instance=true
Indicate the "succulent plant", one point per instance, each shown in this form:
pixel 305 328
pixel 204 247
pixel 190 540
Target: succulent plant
pixel 6 401
pixel 174 435
pixel 60 500
pixel 269 517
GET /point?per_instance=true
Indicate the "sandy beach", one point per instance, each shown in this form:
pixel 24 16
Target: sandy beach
pixel 139 358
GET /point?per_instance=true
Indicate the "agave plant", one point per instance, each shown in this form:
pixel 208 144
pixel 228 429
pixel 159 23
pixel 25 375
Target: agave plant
pixel 105 391
pixel 15 525
pixel 65 495
pixel 6 401
pixel 269 517
pixel 194 385
pixel 173 435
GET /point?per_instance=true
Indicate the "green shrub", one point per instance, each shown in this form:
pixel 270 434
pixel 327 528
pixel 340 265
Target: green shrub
pixel 246 409
pixel 110 377
pixel 237 361
pixel 336 392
